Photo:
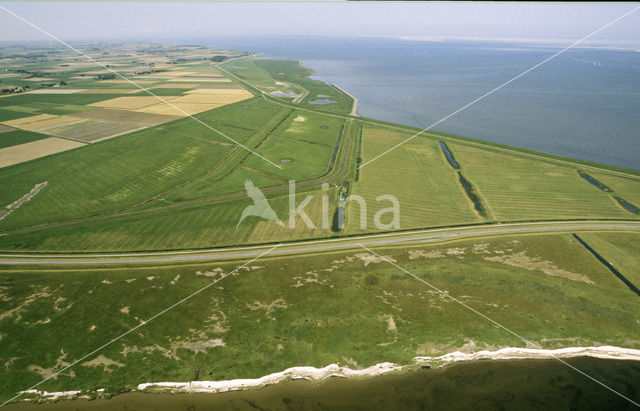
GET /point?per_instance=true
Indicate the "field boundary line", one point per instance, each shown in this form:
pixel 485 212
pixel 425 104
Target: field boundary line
pixel 575 43
pixel 526 341
pixel 144 322
pixel 136 84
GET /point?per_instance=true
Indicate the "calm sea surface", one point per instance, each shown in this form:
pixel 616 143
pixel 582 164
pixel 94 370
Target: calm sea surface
pixel 583 104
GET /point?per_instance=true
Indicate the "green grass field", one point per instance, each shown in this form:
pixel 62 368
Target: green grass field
pixel 626 187
pixel 13 138
pixel 123 171
pixel 519 188
pixel 283 312
pixel 620 249
pixel 417 174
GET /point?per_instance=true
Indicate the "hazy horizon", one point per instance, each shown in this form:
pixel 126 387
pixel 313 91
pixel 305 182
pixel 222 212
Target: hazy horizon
pixel 560 23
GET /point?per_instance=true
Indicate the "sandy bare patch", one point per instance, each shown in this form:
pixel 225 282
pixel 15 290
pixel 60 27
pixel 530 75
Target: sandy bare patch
pixel 149 349
pixel 57 305
pixel 16 312
pixel 481 248
pixel 391 324
pixel 413 254
pixel 48 372
pixel 455 251
pixel 46 320
pixel 310 277
pixel 371 258
pixel 198 346
pixel 9 363
pixel 125 310
pixel 268 307
pixel 216 272
pixel 521 260
pixel 299 119
pixel 107 364
pixel 35 149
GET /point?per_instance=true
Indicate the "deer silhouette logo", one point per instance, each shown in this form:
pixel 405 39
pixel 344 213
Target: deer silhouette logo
pixel 260 206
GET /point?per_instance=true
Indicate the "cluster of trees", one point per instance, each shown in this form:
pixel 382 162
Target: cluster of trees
pixel 8 90
pixel 54 84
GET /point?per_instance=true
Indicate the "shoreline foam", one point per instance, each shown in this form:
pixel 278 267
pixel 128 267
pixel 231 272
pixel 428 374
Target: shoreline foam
pixel 334 370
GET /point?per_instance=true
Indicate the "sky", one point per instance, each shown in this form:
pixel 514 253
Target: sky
pixel 166 21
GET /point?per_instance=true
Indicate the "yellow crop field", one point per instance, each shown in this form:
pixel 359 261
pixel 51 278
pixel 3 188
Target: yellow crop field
pixel 183 110
pixel 17 123
pixel 234 90
pixel 181 85
pixel 35 149
pixel 130 103
pixel 218 98
pixel 51 122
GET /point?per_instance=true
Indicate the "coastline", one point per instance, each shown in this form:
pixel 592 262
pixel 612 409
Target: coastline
pixel 354 109
pixel 334 370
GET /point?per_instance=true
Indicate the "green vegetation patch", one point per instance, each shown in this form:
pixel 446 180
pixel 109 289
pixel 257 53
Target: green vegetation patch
pixel 14 138
pixel 622 250
pixel 292 72
pixel 417 174
pixel 6 115
pixel 126 171
pixel 519 188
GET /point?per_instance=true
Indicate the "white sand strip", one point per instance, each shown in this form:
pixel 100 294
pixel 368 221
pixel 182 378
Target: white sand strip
pixel 334 370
